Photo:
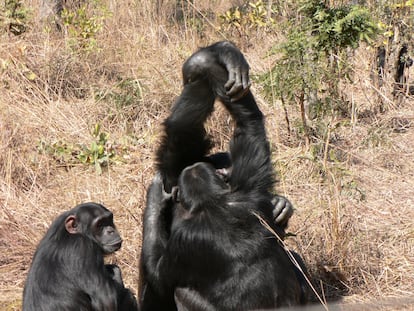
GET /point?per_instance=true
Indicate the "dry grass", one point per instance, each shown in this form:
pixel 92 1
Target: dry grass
pixel 354 227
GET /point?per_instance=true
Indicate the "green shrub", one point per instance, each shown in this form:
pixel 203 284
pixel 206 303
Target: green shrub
pixel 83 25
pixel 314 58
pixel 98 153
pixel 253 15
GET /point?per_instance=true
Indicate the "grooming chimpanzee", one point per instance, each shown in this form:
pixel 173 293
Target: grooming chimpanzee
pixel 204 247
pixel 68 271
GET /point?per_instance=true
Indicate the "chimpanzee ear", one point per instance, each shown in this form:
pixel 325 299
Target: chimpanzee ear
pixel 71 224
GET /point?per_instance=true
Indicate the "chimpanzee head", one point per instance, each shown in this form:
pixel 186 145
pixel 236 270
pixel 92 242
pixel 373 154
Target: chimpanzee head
pixel 200 185
pixel 95 222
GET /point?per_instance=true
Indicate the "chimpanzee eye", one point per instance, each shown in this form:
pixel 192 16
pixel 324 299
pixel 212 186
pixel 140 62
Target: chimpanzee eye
pixel 103 222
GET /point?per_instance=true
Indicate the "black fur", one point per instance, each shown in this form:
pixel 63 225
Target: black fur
pixel 204 248
pixel 68 271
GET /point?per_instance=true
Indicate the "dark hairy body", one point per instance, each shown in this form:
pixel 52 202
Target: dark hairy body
pixel 203 246
pixel 68 271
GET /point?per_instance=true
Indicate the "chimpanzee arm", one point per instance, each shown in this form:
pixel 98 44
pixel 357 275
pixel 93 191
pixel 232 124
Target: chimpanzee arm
pixel 185 141
pixel 154 293
pixel 102 292
pixel 208 73
pixel 155 233
pixel 126 300
pixel 252 170
pixel 249 148
pixel 110 295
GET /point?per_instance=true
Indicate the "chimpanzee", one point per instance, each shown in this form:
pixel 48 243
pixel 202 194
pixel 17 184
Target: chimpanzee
pixel 403 64
pixel 204 247
pixel 68 270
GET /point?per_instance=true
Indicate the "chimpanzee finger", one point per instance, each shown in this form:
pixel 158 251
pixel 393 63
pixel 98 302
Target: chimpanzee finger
pixel 238 84
pixel 230 82
pixel 284 215
pixel 245 79
pixel 282 210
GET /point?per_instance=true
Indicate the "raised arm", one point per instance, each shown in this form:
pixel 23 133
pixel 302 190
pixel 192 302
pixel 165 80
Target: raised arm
pixel 249 149
pixel 153 292
pixel 217 70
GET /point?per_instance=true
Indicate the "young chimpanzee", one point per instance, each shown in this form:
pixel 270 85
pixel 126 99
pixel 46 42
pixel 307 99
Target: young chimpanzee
pixel 204 247
pixel 68 271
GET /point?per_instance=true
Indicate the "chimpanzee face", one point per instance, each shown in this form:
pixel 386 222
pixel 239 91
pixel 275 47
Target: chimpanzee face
pixel 95 222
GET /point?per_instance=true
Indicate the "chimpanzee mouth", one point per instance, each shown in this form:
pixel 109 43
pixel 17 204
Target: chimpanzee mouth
pixel 119 242
pixel 114 246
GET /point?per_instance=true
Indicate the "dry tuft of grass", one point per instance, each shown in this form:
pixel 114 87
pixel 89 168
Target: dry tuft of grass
pixel 353 221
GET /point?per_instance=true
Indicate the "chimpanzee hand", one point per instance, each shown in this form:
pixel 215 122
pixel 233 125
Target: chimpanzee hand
pixel 158 184
pixel 282 210
pixel 157 197
pixel 224 66
pixel 115 273
pixel 238 82
pixel 126 300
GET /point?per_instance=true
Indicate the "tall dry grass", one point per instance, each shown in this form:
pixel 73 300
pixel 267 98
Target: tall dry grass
pixel 353 220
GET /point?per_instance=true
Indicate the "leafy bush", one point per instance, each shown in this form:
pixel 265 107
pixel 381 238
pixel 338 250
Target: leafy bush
pixel 314 58
pixel 99 153
pixel 83 24
pixel 336 28
pixel 254 15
